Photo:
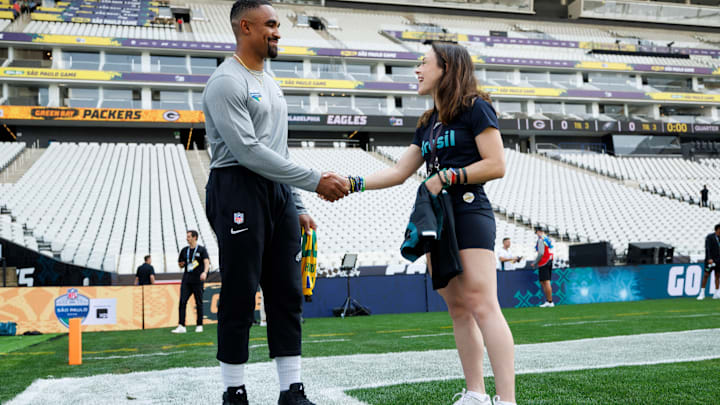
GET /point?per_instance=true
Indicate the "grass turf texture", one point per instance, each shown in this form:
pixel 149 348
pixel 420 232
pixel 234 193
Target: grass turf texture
pixel 374 334
pixel 15 343
pixel 656 384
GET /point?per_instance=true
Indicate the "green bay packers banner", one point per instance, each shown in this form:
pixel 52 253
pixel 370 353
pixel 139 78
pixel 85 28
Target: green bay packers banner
pixel 26 113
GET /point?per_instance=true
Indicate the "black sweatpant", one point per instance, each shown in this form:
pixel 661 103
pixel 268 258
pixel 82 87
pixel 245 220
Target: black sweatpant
pixel 187 289
pixel 258 233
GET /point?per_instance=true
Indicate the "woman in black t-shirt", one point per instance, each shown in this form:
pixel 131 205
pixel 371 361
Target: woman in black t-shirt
pixel 460 143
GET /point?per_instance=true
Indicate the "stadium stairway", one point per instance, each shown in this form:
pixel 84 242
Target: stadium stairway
pixel 23 163
pixel 200 167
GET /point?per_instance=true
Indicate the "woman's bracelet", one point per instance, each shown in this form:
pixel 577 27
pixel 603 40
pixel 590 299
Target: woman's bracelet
pixel 357 183
pixel 452 176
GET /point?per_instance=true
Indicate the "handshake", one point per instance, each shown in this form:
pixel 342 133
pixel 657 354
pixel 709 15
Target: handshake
pixel 333 186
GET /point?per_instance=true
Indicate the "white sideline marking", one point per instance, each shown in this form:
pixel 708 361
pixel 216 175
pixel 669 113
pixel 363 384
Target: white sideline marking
pixel 304 342
pixel 421 336
pixel 325 341
pixel 328 377
pixel 134 355
pixel 695 315
pixel 581 322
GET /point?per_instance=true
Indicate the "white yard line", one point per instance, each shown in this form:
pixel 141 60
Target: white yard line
pixel 304 342
pixel 581 322
pixel 422 336
pixel 327 378
pixel 133 355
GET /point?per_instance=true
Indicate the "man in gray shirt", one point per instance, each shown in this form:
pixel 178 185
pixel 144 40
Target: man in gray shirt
pixel 251 205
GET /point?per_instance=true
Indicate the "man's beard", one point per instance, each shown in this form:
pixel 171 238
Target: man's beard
pixel 272 51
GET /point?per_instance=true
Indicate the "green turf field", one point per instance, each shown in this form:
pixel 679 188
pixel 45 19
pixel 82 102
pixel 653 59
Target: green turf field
pixel 122 352
pixel 678 383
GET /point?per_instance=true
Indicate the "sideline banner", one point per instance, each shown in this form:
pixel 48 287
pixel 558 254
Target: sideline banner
pixel 61 74
pixel 161 303
pixel 35 269
pixel 587 285
pixel 46 309
pixel 100 114
pixel 121 308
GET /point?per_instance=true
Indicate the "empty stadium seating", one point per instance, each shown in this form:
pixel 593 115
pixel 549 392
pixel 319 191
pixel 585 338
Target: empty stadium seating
pixel 589 208
pixel 668 176
pixel 371 223
pixel 104 30
pixel 15 233
pixel 8 152
pixel 111 204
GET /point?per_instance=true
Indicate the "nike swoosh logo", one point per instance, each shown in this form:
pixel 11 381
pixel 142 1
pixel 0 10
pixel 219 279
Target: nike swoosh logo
pixel 233 231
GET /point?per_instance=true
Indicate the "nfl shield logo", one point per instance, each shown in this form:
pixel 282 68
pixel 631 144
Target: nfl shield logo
pixel 239 218
pixel 72 294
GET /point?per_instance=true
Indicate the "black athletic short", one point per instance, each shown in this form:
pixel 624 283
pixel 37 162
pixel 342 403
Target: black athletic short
pixel 474 219
pixel 545 272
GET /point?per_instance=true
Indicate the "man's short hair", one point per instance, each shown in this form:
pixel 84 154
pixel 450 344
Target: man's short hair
pixel 717 227
pixel 147 257
pixel 538 228
pixel 505 238
pixel 241 6
pixel 193 233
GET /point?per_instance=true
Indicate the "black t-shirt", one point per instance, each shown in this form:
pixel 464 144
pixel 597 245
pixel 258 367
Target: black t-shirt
pixel 143 274
pixel 456 148
pixel 194 262
pixel 704 193
pixel 456 145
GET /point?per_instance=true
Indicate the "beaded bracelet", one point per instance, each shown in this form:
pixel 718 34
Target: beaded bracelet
pixel 357 183
pixel 446 177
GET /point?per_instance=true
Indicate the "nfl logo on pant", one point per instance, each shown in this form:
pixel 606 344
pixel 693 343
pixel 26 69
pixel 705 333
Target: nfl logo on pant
pixel 239 218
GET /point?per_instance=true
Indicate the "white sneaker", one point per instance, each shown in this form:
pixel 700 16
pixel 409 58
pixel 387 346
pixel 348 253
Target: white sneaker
pixel 702 295
pixel 716 296
pixel 467 399
pixel 497 401
pixel 547 305
pixel 179 329
pixel 198 328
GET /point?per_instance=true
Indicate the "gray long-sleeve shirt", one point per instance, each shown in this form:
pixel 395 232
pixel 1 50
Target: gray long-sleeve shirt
pixel 246 124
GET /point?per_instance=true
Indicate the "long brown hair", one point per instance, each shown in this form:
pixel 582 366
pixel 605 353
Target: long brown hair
pixel 457 88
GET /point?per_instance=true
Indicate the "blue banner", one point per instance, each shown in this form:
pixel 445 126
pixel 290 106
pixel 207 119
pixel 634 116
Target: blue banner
pixel 586 285
pixel 405 293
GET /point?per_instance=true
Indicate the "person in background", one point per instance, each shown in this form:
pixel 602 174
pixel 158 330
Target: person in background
pixel 145 274
pixel 712 257
pixel 507 260
pixel 544 263
pixel 196 262
pixel 704 196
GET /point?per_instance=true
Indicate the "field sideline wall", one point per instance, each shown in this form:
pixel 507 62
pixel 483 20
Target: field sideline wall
pixel 156 306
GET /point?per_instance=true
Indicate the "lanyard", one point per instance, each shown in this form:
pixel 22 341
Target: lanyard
pixel 188 255
pixel 433 165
